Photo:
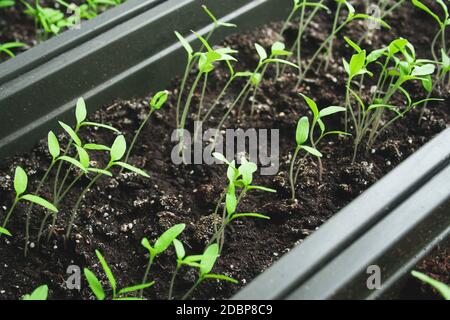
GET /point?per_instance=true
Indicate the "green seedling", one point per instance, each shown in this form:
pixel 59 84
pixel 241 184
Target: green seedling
pixel 255 77
pixel 400 66
pixel 239 184
pixel 7 47
pixel 160 245
pixel 192 57
pixel 278 49
pixel 207 263
pixel 117 294
pixel 206 63
pixel 317 123
pixel 302 135
pixel 158 100
pixel 20 186
pixel 442 288
pixel 50 20
pixel 116 153
pixel 442 22
pixel 40 293
pixel 351 16
pixel 182 260
pixel 304 22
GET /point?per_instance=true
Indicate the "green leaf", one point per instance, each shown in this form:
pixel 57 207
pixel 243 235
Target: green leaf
pixel 118 148
pixel 94 284
pixel 261 188
pixel 20 181
pixel 39 294
pixel 230 202
pixel 136 288
pixel 357 63
pixel 209 13
pixel 312 151
pixel 179 249
pixel 261 52
pixel 167 237
pixel 101 171
pixel 397 45
pixel 220 277
pixel 353 45
pixel 146 244
pixel 375 55
pixel 427 84
pixel 368 17
pixel 39 201
pixel 330 110
pixel 249 215
pixel 5 232
pixel 159 99
pixel 109 275
pixel 71 133
pixel 74 162
pixel 423 7
pixel 203 41
pixel 385 106
pixel 246 169
pixel 100 125
pixel 282 61
pixel 132 168
pixel 312 105
pixel 220 157
pixel 96 147
pixel 256 78
pixel 443 289
pixel 302 131
pixel 53 145
pixel 185 44
pixel 80 111
pixel 84 157
pixel 278 49
pixel 209 259
pixel 424 70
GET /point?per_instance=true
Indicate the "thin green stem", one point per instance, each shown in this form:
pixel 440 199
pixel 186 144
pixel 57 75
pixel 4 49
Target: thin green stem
pixel 191 290
pixel 172 281
pixel 330 47
pixel 291 172
pixel 8 215
pixel 147 271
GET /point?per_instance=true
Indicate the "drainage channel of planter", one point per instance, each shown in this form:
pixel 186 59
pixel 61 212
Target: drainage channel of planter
pixel 135 51
pixel 392 225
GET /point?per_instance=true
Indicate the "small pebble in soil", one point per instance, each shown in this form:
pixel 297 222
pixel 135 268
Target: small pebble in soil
pixel 32 245
pixel 388 163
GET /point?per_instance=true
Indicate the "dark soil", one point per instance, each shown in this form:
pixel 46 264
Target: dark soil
pixel 119 212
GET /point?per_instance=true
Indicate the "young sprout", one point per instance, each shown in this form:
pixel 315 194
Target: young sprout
pixel 207 262
pixel 442 288
pixel 302 134
pixel 303 25
pixel 160 245
pixel 117 294
pixel 400 66
pixel 116 153
pixel 318 117
pixel 182 260
pixel 20 186
pixel 80 115
pixel 155 103
pixel 442 22
pixel 278 49
pixel 352 16
pixel 239 182
pixel 7 47
pixel 40 293
pixel 206 64
pixel 5 232
pixel 191 57
pixel 255 77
